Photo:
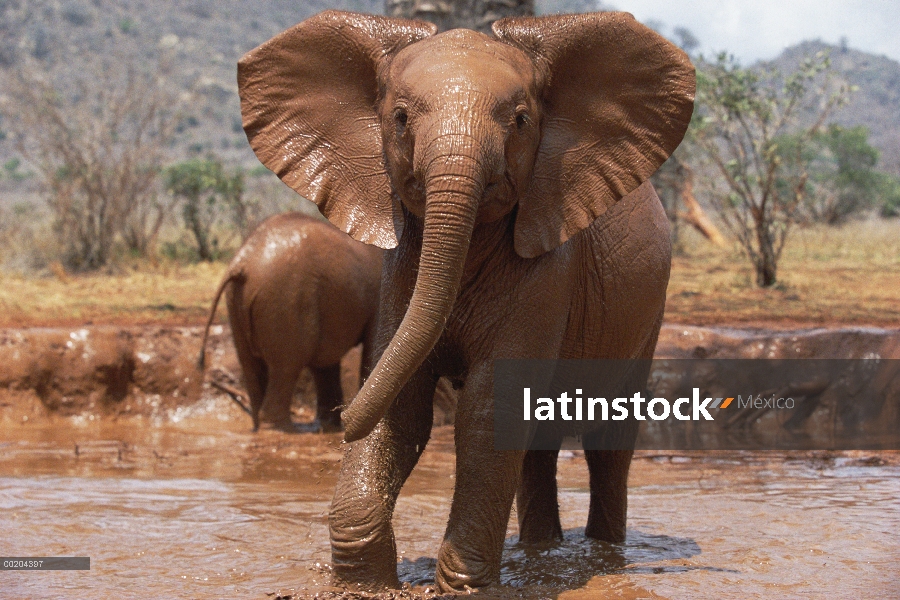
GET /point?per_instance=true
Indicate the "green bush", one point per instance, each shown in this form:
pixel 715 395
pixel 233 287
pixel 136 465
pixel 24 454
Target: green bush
pixel 206 191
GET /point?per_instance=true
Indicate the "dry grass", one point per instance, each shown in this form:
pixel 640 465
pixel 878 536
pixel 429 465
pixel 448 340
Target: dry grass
pixel 165 294
pixel 828 276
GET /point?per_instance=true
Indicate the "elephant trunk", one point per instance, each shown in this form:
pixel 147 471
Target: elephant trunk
pixel 453 189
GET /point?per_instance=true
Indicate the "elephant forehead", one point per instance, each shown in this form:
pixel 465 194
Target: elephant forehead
pixel 461 60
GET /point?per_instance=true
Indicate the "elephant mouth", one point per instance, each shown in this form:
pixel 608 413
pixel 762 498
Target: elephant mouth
pixel 497 201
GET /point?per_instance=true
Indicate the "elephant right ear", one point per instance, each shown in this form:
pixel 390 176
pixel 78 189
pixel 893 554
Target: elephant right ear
pixel 308 100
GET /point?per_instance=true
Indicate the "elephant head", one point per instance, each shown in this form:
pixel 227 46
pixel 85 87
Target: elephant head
pixel 380 120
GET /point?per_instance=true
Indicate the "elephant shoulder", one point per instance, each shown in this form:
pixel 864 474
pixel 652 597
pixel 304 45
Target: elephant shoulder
pixel 630 245
pixel 638 217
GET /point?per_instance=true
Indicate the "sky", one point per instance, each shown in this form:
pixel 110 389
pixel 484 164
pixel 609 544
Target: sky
pixel 760 29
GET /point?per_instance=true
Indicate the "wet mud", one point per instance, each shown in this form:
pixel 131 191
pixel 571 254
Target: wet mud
pixel 205 510
pixel 172 495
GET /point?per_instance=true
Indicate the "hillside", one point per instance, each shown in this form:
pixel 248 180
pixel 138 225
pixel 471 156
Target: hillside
pixel 200 42
pixel 876 105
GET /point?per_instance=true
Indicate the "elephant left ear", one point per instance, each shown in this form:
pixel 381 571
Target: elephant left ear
pixel 617 100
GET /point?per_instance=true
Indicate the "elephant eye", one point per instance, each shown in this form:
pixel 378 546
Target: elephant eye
pixel 400 117
pixel 522 121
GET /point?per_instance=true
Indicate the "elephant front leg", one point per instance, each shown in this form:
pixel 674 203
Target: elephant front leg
pixel 486 481
pixel 373 470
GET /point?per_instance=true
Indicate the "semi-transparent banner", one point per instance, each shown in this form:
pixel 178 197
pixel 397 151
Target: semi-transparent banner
pixel 698 404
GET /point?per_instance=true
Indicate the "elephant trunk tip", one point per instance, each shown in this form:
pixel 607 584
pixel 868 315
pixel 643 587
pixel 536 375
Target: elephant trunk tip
pixel 352 434
pixel 358 425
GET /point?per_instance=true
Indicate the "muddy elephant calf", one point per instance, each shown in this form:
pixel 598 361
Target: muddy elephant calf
pixel 505 178
pixel 300 293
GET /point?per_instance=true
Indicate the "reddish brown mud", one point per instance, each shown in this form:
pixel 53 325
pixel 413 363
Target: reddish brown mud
pixel 171 495
pixel 149 373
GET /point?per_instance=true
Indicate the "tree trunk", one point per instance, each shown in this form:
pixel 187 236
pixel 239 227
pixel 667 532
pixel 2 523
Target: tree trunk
pixel 766 260
pixel 195 224
pixel 695 215
pixel 453 14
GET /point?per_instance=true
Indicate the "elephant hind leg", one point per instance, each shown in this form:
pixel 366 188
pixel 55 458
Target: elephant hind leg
pixel 609 494
pixel 276 404
pixel 536 499
pixel 330 397
pixel 255 373
pixel 256 380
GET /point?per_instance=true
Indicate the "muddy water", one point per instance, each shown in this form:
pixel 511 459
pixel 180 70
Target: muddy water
pixel 205 509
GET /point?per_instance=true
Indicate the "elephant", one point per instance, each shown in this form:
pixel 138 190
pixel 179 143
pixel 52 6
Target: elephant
pixel 506 178
pixel 300 293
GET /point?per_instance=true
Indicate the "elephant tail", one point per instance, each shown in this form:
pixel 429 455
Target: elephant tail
pixel 229 277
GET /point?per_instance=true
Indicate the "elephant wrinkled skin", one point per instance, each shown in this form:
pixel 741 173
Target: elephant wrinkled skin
pixel 300 294
pixel 505 177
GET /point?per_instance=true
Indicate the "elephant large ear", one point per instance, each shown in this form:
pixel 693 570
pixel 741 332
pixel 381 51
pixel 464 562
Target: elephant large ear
pixel 617 101
pixel 308 101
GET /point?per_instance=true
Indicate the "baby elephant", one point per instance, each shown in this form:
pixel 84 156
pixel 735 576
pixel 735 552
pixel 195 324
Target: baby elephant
pixel 300 293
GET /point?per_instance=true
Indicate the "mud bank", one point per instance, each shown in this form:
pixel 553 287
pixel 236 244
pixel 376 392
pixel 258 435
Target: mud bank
pixel 106 371
pixel 687 341
pixel 151 372
pixel 142 372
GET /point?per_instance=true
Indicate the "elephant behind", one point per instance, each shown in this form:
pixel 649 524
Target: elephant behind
pixel 300 293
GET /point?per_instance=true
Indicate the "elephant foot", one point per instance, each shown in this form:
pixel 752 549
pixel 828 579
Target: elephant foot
pixel 355 580
pixel 330 428
pixel 460 575
pixel 543 532
pixel 363 558
pixel 605 532
pixel 289 426
pixel 285 425
pixel 271 419
pixel 330 423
